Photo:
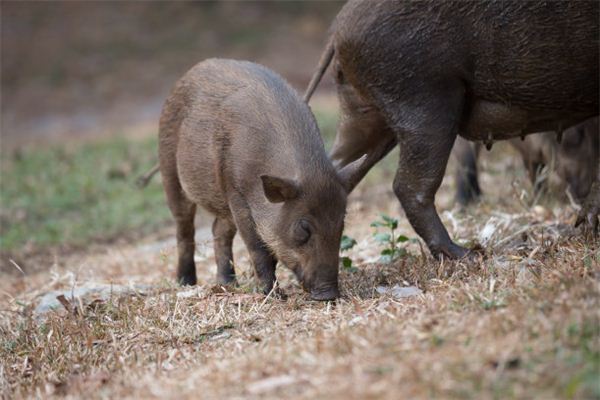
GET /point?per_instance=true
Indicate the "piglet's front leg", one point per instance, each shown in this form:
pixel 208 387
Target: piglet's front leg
pixel 263 261
pixel 264 265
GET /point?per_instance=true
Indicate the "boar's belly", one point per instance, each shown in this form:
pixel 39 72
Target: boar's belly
pixel 499 121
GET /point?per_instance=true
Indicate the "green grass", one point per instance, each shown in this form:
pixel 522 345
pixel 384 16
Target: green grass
pixel 327 121
pixel 72 195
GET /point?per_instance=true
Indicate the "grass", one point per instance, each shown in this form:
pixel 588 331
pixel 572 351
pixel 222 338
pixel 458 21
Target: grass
pixel 77 194
pixel 448 343
pixel 520 321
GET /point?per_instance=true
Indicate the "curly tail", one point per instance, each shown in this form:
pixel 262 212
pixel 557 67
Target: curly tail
pixel 143 180
pixel 324 62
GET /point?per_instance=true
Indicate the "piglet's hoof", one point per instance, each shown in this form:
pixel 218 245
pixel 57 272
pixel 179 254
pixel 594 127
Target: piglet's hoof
pixel 280 295
pixel 228 281
pixel 276 293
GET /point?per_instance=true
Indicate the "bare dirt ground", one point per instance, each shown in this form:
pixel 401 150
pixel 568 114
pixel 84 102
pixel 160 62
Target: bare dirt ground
pixel 519 322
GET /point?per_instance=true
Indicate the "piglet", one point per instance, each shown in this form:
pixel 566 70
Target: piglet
pixel 238 141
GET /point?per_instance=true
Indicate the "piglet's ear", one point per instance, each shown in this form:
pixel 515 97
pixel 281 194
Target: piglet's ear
pixel 278 190
pixel 349 174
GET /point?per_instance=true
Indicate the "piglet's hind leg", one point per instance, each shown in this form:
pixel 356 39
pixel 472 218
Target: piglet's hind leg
pixel 223 233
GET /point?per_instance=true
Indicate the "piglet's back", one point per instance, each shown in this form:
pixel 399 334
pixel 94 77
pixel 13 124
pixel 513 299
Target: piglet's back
pixel 241 93
pixel 243 114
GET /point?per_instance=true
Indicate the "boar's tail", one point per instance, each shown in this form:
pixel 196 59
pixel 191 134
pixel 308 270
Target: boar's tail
pixel 143 180
pixel 324 62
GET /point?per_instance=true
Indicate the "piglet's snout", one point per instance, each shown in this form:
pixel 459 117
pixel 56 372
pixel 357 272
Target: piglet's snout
pixel 325 286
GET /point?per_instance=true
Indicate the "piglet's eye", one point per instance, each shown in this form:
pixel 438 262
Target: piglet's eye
pixel 302 232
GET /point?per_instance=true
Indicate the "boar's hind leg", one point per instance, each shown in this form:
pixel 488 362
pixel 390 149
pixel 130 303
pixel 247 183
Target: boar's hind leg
pixel 589 215
pixel 223 232
pixel 426 127
pixel 467 184
pixel 362 130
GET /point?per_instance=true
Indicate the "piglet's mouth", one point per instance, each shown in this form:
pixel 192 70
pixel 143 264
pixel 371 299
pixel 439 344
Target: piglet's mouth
pixel 323 293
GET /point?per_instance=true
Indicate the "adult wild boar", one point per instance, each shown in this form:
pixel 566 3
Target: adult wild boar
pixel 574 160
pixel 418 74
pixel 237 140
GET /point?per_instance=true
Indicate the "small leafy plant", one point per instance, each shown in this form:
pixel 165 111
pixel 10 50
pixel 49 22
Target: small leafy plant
pixel 346 244
pixel 385 234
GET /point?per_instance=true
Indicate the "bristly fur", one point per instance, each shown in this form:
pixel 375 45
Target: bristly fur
pixel 419 73
pixel 227 124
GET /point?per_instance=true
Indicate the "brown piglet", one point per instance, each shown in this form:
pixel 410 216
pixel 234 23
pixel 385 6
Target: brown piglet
pixel 238 141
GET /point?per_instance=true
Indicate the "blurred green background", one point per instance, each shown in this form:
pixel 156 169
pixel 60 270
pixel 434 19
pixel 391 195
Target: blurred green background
pixel 82 88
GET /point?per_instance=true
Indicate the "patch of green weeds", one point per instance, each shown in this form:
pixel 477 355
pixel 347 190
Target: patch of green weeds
pixel 585 361
pixel 55 195
pixel 346 244
pixel 386 235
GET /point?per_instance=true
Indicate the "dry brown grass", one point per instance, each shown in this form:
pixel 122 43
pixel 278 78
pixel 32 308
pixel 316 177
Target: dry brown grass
pixel 520 322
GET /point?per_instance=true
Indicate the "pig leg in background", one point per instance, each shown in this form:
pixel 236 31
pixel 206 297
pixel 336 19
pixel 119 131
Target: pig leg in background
pixel 262 259
pixel 467 183
pixel 362 130
pixel 224 230
pixel 426 131
pixel 589 215
pixel 183 211
pixel 534 158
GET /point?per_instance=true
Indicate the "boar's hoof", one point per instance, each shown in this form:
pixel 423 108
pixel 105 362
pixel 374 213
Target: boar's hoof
pixel 589 214
pixel 330 293
pixel 467 195
pixel 589 217
pixel 450 250
pixel 187 280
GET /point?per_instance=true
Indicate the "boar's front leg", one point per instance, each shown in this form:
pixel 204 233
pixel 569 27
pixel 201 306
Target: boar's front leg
pixel 224 230
pixel 262 259
pixel 361 130
pixel 426 126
